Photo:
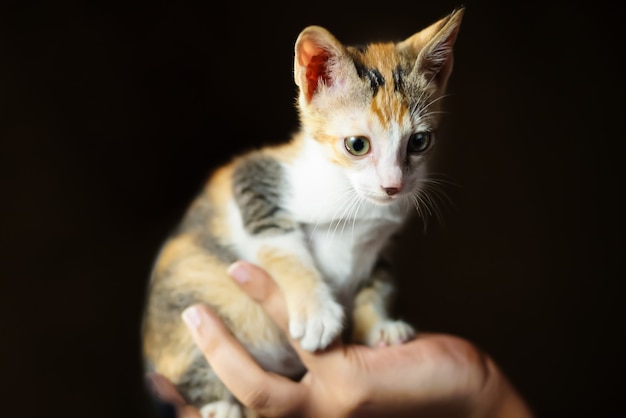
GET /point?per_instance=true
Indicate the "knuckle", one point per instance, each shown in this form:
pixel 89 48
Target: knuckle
pixel 258 398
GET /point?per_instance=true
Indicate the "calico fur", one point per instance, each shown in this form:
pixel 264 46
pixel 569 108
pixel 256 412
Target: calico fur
pixel 316 216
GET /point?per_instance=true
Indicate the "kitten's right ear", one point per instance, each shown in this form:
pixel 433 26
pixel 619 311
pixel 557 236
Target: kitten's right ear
pixel 316 50
pixel 435 44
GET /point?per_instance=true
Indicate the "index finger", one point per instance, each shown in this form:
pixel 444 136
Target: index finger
pixel 253 386
pixel 258 284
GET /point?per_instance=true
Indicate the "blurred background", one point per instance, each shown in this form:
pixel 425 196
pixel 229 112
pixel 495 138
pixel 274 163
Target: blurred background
pixel 112 114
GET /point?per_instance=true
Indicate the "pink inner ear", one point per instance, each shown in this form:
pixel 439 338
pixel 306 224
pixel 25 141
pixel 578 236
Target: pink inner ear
pixel 316 70
pixel 315 60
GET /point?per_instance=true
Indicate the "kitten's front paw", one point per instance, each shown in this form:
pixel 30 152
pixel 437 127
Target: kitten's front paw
pixel 221 409
pixel 316 322
pixel 390 332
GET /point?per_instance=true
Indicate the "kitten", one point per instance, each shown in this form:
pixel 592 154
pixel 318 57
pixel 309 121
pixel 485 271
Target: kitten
pixel 316 212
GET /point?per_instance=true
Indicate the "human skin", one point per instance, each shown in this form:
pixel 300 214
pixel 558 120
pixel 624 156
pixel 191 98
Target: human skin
pixel 433 375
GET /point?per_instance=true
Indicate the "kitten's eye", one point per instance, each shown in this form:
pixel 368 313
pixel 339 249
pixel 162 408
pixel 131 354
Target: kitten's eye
pixel 419 142
pixel 357 145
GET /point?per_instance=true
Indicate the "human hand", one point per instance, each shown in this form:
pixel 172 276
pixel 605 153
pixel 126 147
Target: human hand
pixel 432 375
pixel 169 402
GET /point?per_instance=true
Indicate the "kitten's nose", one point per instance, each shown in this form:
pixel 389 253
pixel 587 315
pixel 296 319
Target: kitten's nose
pixel 391 190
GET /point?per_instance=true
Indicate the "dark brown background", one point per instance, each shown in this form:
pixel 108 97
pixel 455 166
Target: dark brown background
pixel 112 114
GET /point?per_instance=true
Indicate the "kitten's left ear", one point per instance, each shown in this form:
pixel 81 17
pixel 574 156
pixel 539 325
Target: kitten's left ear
pixel 435 44
pixel 316 50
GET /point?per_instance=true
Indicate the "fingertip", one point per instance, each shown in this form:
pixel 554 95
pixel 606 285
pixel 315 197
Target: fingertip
pixel 254 280
pixel 204 324
pixel 192 317
pixel 239 271
pixel 162 388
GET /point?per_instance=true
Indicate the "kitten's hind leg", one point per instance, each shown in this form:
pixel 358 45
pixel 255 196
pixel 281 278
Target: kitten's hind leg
pixel 371 322
pixel 201 387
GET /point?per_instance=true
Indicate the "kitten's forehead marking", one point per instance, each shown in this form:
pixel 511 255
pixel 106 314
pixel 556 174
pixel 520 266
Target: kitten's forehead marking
pixel 382 66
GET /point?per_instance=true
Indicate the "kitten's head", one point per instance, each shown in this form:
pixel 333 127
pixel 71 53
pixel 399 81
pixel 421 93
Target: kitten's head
pixel 376 108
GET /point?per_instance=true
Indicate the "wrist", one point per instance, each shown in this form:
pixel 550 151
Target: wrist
pixel 499 399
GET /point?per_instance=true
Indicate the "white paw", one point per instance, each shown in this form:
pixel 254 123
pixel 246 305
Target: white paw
pixel 221 409
pixel 390 333
pixel 316 321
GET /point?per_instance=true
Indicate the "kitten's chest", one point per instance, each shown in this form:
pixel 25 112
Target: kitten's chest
pixel 346 251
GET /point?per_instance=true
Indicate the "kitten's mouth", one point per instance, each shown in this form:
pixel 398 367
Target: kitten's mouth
pixel 382 200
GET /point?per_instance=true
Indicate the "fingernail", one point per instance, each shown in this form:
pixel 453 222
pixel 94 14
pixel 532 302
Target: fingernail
pixel 239 272
pixel 191 316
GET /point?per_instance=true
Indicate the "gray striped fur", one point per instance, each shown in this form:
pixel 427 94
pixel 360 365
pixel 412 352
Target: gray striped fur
pixel 200 384
pixel 198 221
pixel 258 185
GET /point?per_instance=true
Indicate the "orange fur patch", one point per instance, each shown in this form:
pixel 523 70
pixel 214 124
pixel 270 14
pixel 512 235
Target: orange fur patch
pixel 288 271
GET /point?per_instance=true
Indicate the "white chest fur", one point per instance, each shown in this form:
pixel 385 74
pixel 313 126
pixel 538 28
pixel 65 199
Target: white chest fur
pixel 345 253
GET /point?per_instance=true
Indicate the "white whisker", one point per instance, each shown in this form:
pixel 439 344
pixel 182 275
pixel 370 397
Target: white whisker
pixel 356 212
pixel 431 199
pixel 421 109
pixel 352 207
pixel 346 204
pixel 338 204
pixel 433 113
